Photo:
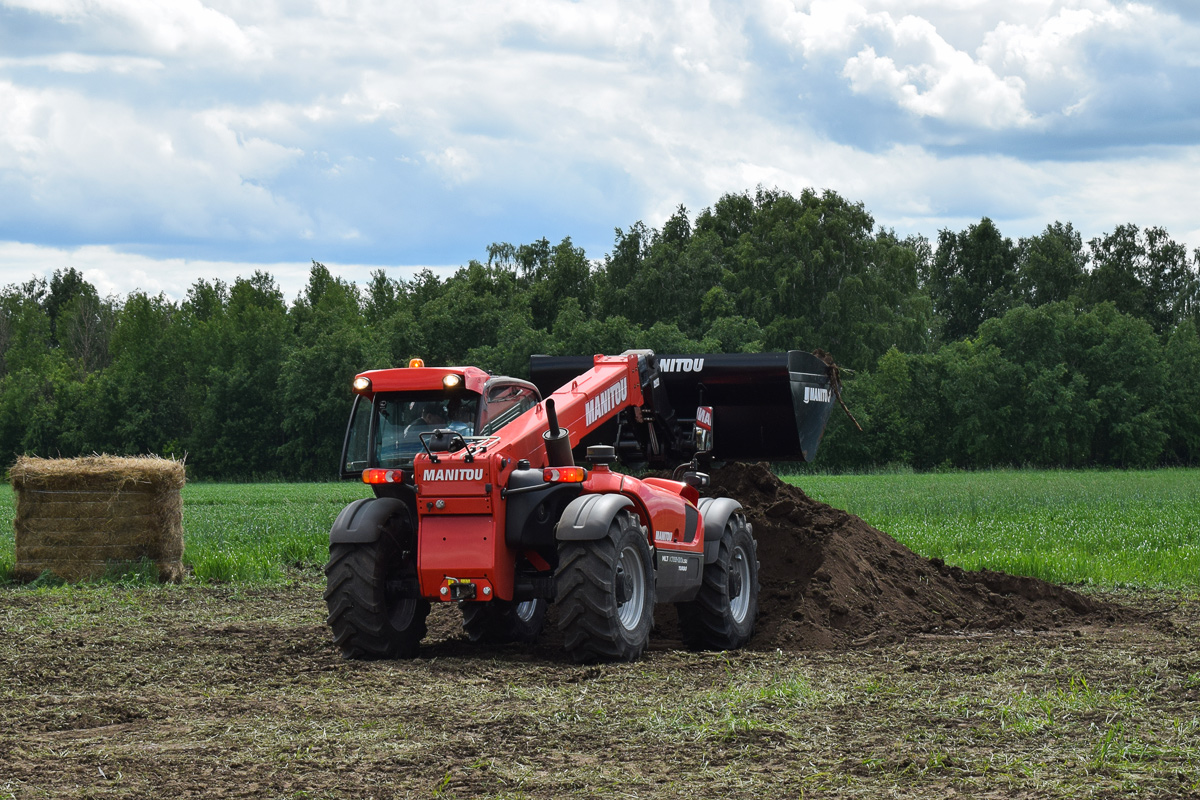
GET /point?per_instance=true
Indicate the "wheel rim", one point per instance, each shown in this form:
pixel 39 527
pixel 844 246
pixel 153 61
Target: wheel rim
pixel 525 610
pixel 402 613
pixel 630 568
pixel 739 576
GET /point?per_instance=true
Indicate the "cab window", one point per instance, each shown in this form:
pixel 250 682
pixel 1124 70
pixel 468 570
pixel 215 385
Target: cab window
pixel 503 404
pixel 402 417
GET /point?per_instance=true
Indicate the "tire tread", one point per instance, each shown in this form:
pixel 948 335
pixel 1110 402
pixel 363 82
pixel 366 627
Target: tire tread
pixel 706 623
pixel 588 611
pixel 358 613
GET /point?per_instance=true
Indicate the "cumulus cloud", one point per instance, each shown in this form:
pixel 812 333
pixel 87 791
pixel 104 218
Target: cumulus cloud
pixel 1014 66
pixel 948 85
pixel 177 27
pixel 112 169
pixel 904 60
pixel 389 132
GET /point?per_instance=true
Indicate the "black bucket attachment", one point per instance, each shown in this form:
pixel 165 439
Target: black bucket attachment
pixel 766 406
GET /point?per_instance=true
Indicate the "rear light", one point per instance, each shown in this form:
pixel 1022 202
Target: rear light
pixel 415 363
pixel 564 475
pixel 383 476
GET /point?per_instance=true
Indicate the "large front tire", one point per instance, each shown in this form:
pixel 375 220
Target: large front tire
pixel 369 618
pixel 723 614
pixel 501 621
pixel 605 590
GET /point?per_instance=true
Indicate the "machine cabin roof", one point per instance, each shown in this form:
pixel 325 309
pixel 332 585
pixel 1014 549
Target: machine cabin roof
pixel 402 379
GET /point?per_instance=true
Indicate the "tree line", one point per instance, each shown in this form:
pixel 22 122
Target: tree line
pixel 971 350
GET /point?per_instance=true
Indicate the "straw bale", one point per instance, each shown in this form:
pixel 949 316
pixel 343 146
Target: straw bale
pixel 96 472
pixel 85 517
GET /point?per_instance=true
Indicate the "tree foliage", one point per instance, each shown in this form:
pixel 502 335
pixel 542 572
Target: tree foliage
pixel 975 352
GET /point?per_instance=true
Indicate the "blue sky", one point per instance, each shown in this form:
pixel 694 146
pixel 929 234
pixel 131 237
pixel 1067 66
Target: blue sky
pixel 149 144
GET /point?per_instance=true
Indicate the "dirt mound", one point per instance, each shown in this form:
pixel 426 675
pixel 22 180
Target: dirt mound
pixel 829 579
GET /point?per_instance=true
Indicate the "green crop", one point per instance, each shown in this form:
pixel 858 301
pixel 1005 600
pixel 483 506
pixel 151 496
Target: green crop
pixel 253 532
pixel 1104 528
pixel 1135 528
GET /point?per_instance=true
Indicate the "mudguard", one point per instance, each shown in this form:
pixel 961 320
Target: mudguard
pixel 361 521
pixel 716 512
pixel 534 509
pixel 587 518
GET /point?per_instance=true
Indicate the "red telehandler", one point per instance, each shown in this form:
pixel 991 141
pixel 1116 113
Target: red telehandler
pixel 478 499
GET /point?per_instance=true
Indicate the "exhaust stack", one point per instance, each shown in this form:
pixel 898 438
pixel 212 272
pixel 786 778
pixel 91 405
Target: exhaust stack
pixel 558 440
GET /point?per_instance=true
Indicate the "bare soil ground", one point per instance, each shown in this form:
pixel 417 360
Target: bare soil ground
pixel 873 673
pixel 218 692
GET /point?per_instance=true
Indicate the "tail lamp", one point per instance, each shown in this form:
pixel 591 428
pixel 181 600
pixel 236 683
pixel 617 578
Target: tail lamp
pixel 564 475
pixel 383 476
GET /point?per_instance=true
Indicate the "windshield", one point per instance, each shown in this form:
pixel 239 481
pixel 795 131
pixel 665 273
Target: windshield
pixel 400 419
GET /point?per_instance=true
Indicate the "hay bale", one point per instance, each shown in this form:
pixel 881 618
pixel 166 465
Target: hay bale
pixel 83 518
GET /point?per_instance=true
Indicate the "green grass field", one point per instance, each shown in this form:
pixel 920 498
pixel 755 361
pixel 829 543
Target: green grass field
pixel 1105 528
pixel 1102 528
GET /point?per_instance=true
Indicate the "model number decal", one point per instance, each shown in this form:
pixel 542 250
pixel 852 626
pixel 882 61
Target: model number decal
pixel 681 563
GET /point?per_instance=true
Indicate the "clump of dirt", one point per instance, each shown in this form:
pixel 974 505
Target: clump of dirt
pixel 831 580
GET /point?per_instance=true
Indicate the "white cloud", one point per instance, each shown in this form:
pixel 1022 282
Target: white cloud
pixel 1052 53
pixel 176 27
pixel 81 63
pixel 828 27
pixel 950 86
pixel 457 163
pixel 118 273
pixel 421 132
pixel 918 69
pixel 1014 65
pixel 100 162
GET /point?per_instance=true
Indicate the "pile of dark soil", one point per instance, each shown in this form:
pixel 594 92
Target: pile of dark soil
pixel 831 580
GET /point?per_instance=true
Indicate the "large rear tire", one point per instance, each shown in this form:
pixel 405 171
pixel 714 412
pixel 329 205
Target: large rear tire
pixel 502 621
pixel 605 590
pixel 369 617
pixel 723 614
